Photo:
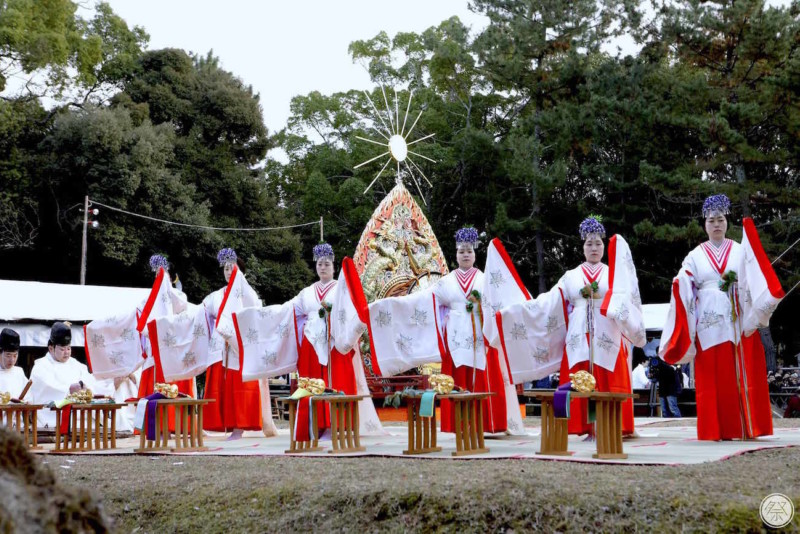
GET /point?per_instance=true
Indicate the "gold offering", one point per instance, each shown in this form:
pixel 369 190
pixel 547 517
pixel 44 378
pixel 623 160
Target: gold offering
pixel 315 386
pixel 170 391
pixel 83 396
pixel 441 384
pixel 583 381
pixel 5 397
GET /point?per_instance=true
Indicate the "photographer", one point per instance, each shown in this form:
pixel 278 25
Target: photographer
pixel 670 385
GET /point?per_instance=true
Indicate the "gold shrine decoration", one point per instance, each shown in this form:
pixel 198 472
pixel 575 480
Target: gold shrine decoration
pixel 583 381
pixel 441 384
pixel 170 391
pixel 315 386
pixel 5 397
pixel 398 251
pixel 83 396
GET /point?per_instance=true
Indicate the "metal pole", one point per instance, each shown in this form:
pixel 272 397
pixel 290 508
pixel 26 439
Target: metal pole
pixel 83 244
pixel 321 235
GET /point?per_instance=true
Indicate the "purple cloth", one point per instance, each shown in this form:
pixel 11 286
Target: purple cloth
pixel 151 414
pixel 561 400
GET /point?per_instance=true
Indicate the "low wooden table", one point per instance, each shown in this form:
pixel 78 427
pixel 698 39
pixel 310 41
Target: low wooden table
pixel 468 410
pixel 608 418
pixel 188 435
pixel 345 436
pixel 83 436
pixel 22 417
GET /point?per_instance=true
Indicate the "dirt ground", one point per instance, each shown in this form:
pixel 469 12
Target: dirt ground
pixel 268 494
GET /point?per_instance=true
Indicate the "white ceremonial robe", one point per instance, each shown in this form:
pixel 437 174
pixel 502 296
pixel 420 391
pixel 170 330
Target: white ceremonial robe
pixel 219 309
pixel 536 333
pixel 51 382
pixel 167 301
pixel 12 381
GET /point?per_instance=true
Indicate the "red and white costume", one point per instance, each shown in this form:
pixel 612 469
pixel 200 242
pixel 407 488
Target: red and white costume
pixel 238 404
pixel 718 330
pixel 562 329
pixel 433 325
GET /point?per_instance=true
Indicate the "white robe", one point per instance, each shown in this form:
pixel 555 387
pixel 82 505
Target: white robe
pixel 51 382
pixel 12 381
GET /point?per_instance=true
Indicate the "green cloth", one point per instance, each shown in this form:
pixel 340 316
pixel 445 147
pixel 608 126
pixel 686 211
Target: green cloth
pixel 427 403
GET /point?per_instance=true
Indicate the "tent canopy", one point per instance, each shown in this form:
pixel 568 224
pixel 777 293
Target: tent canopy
pixel 30 308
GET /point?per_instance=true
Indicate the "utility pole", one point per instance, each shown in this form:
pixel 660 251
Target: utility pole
pixel 83 243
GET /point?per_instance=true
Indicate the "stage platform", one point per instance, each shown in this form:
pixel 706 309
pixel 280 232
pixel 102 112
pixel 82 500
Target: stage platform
pixel 655 445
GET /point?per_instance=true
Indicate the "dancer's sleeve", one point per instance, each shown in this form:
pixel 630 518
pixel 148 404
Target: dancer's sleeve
pixel 623 302
pixel 760 291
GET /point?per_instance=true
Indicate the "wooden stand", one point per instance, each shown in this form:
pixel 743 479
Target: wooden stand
pixel 609 424
pixel 468 409
pixel 188 427
pixel 421 430
pixel 82 437
pixel 22 417
pixel 345 436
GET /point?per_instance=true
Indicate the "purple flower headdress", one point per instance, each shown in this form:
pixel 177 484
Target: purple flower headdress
pixel 158 261
pixel 716 203
pixel 592 225
pixel 226 255
pixel 323 250
pixel 468 236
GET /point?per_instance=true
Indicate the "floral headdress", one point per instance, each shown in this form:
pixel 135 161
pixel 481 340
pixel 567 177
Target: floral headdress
pixel 226 255
pixel 157 261
pixel 323 250
pixel 716 204
pixel 468 236
pixel 592 225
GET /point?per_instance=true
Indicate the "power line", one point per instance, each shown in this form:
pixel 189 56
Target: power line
pixel 220 229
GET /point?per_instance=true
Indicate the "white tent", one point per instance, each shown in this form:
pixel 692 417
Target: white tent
pixel 655 315
pixel 31 308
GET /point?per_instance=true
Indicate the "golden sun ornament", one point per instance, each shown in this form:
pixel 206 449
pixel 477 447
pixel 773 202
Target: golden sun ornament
pixel 396 142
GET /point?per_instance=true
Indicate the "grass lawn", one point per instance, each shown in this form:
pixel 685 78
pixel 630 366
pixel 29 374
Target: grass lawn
pixel 268 494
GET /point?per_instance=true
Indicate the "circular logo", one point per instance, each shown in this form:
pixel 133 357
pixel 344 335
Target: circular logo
pixel 776 510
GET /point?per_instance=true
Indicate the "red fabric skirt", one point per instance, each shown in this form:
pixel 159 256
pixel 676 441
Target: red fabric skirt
pixel 618 381
pixel 342 375
pixel 490 379
pixel 732 405
pixel 146 382
pixel 237 404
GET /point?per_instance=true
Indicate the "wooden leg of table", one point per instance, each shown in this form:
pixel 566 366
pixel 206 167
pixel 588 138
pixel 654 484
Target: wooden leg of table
pixel 418 443
pixel 35 429
pixel 480 425
pixel 433 428
pixel 157 437
pixel 142 443
pixel 58 428
pixel 185 415
pixel 200 424
pixel 192 413
pixel 74 428
pixel 82 429
pixel 618 419
pixel 113 428
pixel 341 407
pixel 165 428
pixel 292 443
pixel 334 429
pixel 350 406
pixel 178 426
pixel 467 424
pixel 410 423
pixel 105 429
pixel 457 411
pixel 89 429
pixel 26 422
pixel 426 432
pixel 356 425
